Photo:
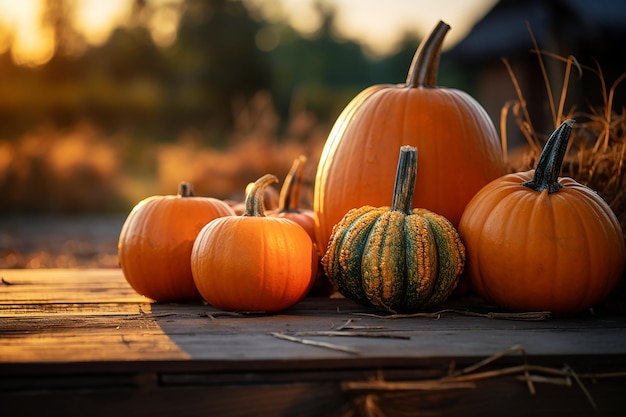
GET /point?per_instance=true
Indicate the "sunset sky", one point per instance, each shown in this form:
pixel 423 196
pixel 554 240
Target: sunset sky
pixel 31 45
pixel 380 23
pixel 376 23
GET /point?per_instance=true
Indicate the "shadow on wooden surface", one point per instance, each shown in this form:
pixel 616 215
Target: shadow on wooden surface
pixel 82 341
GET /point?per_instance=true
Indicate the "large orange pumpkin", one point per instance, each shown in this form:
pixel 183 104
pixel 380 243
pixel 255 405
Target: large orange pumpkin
pixel 459 148
pixel 156 240
pixel 535 241
pixel 253 262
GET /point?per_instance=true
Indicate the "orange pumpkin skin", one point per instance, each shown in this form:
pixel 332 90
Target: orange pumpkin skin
pixel 252 262
pixel 459 147
pixel 288 208
pixel 156 240
pixel 306 219
pixel 539 251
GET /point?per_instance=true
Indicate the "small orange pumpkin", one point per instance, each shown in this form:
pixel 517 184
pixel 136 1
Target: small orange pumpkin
pixel 535 241
pixel 155 243
pixel 253 262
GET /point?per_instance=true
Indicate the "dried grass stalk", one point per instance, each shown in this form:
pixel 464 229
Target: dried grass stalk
pixel 597 149
pixel 468 377
pixel 522 316
pixel 316 343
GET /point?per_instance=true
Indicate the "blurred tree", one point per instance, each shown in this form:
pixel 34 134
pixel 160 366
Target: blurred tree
pixel 154 91
pixel 57 17
pixel 215 60
pixel 395 67
pixel 320 73
pixel 119 101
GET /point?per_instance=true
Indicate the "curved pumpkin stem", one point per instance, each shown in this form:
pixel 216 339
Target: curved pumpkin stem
pixel 423 70
pixel 549 165
pixel 290 191
pixel 185 189
pixel 406 174
pixel 254 197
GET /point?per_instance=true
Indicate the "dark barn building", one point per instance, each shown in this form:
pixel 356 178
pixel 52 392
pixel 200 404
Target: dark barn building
pixel 593 32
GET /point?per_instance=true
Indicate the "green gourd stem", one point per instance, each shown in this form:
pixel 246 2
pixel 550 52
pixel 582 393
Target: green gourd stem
pixel 549 165
pixel 290 192
pixel 425 64
pixel 254 198
pixel 185 189
pixel 406 174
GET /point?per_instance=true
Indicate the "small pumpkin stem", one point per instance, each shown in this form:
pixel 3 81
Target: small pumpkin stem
pixel 425 64
pixel 406 175
pixel 549 165
pixel 185 189
pixel 290 191
pixel 254 198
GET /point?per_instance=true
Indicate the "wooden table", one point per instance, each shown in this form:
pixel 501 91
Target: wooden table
pixel 82 342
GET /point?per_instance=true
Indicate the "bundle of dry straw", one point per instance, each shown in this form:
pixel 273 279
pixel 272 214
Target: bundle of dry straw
pixel 597 149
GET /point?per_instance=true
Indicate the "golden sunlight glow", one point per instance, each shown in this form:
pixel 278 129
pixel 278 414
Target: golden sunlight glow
pixel 378 25
pixel 33 45
pixel 21 28
pixel 163 26
pixel 96 18
pixel 30 45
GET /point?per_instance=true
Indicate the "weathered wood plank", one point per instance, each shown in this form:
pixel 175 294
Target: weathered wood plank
pixel 33 310
pixel 490 398
pixel 262 400
pixel 53 286
pixel 93 315
pixel 72 340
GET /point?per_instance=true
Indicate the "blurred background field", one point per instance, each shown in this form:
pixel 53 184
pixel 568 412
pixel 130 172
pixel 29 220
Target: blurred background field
pixel 105 103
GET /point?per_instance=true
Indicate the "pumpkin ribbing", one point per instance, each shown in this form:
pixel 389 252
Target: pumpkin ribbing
pixel 395 258
pixel 156 239
pixel 253 262
pixel 539 242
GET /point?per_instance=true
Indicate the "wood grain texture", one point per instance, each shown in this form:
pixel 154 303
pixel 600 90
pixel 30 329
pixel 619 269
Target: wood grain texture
pixel 71 339
pixel 93 315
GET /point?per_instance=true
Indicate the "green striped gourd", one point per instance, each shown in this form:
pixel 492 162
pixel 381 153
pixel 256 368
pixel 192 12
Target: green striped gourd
pixel 395 258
